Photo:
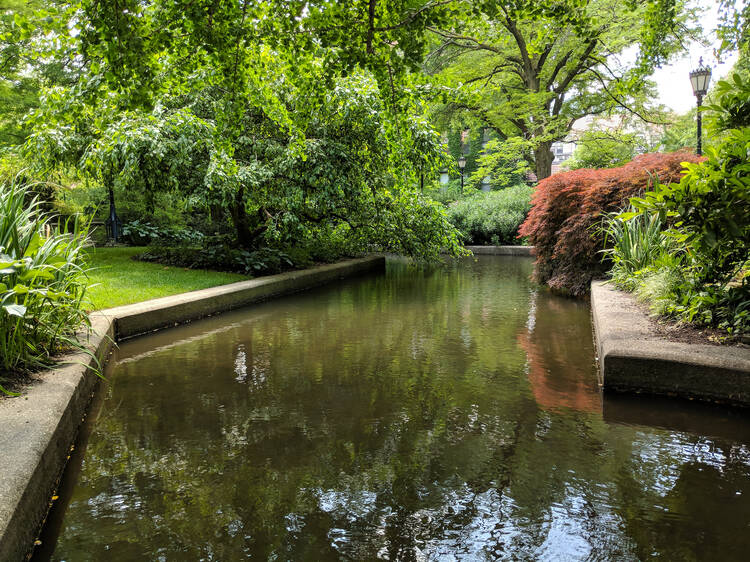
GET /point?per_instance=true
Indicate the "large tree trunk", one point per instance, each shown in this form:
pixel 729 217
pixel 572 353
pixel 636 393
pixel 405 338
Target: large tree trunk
pixel 543 158
pixel 240 220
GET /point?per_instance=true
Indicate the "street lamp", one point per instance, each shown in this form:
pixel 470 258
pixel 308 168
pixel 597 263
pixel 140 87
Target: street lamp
pixel 699 79
pixel 461 166
pixel 113 224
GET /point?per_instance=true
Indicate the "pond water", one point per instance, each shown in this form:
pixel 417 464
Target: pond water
pixel 423 414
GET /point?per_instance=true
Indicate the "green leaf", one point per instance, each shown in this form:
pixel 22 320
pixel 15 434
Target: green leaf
pixel 32 274
pixel 34 244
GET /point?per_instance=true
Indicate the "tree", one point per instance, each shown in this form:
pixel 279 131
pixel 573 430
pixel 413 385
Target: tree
pixel 680 133
pixel 263 112
pixel 533 73
pixel 23 72
pixel 349 176
pixel 503 162
pixel 610 144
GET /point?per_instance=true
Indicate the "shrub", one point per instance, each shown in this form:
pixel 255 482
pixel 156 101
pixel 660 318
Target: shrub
pixel 140 233
pixel 711 207
pixel 42 283
pixel 491 217
pixel 635 242
pixel 568 207
pixel 645 259
pixel 222 257
pixel 709 210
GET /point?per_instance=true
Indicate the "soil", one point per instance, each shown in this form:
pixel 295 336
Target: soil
pixel 687 333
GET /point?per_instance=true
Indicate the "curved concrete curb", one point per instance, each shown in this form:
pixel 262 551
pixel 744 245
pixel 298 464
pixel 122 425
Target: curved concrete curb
pixel 37 429
pixel 634 359
pixel 502 250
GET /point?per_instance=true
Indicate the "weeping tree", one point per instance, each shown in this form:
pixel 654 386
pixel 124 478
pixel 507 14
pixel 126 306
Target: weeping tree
pixel 353 172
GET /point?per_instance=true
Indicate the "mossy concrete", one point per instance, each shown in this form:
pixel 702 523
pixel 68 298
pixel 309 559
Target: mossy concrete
pixel 633 357
pixel 38 428
pixel 502 250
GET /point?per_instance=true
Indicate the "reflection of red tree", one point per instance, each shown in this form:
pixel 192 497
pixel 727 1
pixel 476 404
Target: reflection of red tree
pixel 560 360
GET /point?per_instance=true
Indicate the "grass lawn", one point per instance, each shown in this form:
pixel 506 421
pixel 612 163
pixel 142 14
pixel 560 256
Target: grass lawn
pixel 116 279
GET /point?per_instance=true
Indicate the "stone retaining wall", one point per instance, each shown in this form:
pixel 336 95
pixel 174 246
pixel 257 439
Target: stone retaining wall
pixel 633 358
pixel 502 250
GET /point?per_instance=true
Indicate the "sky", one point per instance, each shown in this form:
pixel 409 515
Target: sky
pixel 673 80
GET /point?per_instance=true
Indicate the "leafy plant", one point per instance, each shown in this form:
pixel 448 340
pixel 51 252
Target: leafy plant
pixel 504 162
pixel 605 149
pixel 42 283
pixel 732 107
pixel 491 217
pixel 710 208
pixel 709 216
pixel 567 210
pixel 218 254
pixel 633 242
pixel 140 233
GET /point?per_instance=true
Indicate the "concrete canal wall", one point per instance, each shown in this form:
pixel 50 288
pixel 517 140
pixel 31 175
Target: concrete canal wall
pixel 633 357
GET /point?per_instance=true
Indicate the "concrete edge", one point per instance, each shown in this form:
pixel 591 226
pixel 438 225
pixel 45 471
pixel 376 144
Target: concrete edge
pixel 502 250
pixel 140 318
pixel 38 429
pixel 632 358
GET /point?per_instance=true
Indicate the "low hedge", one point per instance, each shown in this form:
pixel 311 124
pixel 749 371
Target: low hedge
pixel 491 217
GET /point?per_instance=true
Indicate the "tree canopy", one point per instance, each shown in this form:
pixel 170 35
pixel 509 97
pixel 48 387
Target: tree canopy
pixel 283 119
pixel 532 74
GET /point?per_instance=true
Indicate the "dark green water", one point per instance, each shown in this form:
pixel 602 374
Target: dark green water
pixel 451 414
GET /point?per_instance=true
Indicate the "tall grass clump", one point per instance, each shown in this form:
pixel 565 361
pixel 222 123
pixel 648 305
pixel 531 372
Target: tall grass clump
pixel 644 258
pixel 634 243
pixel 491 217
pixel 42 283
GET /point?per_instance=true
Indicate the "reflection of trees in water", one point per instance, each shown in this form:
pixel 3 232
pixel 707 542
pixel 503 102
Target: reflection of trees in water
pixel 371 428
pixel 559 348
pixel 701 488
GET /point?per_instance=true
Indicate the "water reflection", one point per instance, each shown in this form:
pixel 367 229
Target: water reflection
pixel 435 414
pixel 559 350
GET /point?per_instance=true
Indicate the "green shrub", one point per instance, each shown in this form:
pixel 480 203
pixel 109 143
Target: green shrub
pixel 42 283
pixel 633 243
pixel 709 214
pixel 711 208
pixel 645 259
pixel 491 217
pixel 141 233
pixel 446 193
pixel 218 255
pixel 694 259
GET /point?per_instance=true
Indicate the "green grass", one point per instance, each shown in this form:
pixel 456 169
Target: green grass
pixel 116 279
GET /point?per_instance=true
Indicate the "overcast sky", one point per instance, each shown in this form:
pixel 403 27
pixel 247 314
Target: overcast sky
pixel 673 81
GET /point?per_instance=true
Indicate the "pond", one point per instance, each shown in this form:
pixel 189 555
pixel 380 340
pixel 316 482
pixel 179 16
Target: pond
pixel 450 413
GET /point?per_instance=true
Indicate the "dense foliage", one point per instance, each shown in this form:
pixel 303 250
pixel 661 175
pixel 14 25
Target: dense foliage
pixel 532 74
pixel 568 208
pixel 695 265
pixel 42 283
pixel 354 174
pixel 608 148
pixel 491 217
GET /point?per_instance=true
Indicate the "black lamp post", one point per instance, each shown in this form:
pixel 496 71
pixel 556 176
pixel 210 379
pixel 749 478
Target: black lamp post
pixel 112 223
pixel 699 79
pixel 461 166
